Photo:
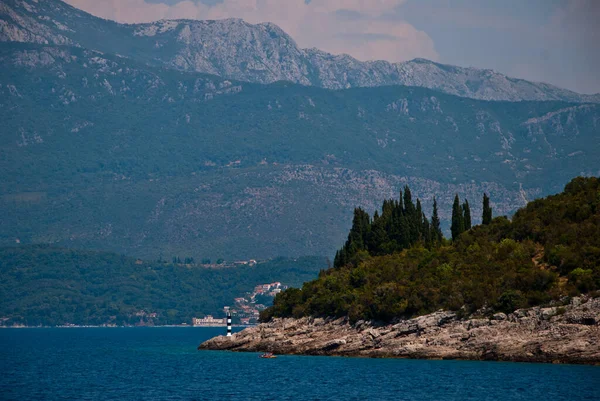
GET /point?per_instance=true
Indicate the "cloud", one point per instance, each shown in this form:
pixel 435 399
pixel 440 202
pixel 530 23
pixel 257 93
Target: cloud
pixel 355 27
pixel 579 32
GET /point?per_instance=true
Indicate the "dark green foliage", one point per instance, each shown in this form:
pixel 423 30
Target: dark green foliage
pixel 111 158
pixel 466 215
pixel 574 243
pixel 52 286
pixel 550 249
pixel 400 225
pixel 436 231
pixel 486 217
pixel 510 300
pixel 458 220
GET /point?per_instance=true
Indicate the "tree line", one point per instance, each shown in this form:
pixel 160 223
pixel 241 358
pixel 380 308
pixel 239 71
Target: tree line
pixel 45 285
pixel 402 224
pixel 548 251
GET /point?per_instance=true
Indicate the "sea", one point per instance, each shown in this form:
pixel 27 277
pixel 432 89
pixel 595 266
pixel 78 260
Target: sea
pixel 163 363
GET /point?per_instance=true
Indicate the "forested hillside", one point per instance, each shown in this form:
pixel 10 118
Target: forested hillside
pixel 102 152
pixel 54 286
pixel 550 249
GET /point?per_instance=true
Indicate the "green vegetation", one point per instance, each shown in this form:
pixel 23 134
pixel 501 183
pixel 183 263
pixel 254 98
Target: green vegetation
pixel 53 286
pixel 104 152
pixel 486 217
pixel 550 249
pixel 401 225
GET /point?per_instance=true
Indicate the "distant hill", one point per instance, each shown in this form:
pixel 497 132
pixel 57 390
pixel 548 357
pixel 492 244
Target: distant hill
pixel 260 53
pixel 550 250
pixel 54 286
pixel 114 136
pixel 102 152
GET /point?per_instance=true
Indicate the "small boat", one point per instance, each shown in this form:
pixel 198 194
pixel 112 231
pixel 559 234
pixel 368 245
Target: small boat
pixel 268 355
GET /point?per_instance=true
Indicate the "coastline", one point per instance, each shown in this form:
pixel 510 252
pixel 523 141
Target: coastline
pixel 559 334
pixel 181 326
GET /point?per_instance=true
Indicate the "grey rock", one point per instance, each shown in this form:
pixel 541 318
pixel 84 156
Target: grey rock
pixel 476 323
pixel 261 53
pixel 559 340
pixel 499 316
pixel 547 313
pixel 331 345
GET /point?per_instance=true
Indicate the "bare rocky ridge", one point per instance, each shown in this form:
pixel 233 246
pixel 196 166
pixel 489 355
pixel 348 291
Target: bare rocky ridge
pixel 261 53
pixel 560 334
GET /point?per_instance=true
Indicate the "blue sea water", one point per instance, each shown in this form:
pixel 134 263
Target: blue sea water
pixel 163 364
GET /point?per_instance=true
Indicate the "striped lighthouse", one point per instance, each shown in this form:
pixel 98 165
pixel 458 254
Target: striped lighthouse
pixel 228 323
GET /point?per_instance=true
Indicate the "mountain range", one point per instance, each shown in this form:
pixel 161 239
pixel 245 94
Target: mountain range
pixel 261 53
pixel 180 137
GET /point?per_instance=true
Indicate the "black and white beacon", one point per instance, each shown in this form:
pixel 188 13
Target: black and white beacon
pixel 228 324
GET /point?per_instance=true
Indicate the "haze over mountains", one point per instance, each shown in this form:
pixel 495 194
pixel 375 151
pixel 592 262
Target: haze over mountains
pixel 116 137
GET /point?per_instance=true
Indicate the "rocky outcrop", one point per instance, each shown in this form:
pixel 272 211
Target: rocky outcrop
pixel 560 334
pixel 262 53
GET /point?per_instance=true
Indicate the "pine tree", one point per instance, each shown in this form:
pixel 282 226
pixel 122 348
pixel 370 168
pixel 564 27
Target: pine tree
pixel 467 215
pixel 487 210
pixel 436 231
pixel 458 224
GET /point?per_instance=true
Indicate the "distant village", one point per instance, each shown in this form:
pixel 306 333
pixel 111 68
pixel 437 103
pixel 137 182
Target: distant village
pixel 247 308
pixel 244 312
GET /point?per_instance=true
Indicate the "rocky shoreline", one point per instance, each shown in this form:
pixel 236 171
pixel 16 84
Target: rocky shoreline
pixel 559 334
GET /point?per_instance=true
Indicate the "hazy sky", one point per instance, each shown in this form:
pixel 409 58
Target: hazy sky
pixel 555 41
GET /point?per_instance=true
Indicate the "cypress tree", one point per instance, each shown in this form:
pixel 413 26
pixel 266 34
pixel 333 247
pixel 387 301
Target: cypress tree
pixel 418 234
pixel 467 215
pixel 387 210
pixel 426 232
pixel 409 206
pixel 486 218
pixel 341 257
pixel 458 224
pixel 378 238
pixel 436 231
pixel 404 230
pixel 361 225
pixel 399 204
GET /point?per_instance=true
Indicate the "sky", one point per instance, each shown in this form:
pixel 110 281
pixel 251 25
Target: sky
pixel 553 41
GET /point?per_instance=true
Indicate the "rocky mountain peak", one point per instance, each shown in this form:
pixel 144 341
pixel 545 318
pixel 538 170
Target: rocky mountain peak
pixel 261 53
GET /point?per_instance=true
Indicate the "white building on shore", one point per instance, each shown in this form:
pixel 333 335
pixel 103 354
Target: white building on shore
pixel 208 321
